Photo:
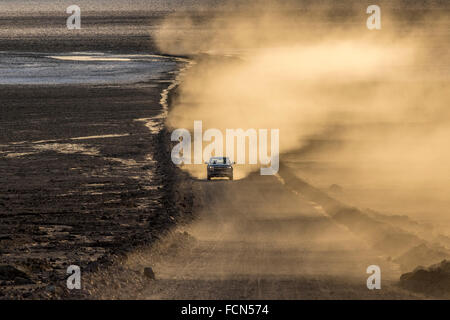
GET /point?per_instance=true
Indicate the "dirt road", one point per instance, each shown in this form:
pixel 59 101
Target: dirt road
pixel 255 239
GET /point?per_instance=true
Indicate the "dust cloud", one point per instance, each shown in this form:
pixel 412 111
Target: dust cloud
pixel 365 110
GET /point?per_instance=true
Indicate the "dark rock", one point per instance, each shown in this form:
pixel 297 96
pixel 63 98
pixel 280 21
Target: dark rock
pixel 27 295
pixel 434 280
pixel 51 288
pixel 148 273
pixel 10 273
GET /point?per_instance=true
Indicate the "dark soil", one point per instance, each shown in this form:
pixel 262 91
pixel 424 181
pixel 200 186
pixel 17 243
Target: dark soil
pixel 73 207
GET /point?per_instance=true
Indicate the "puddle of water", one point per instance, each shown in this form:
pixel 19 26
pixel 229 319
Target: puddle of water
pixel 87 58
pixel 89 68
